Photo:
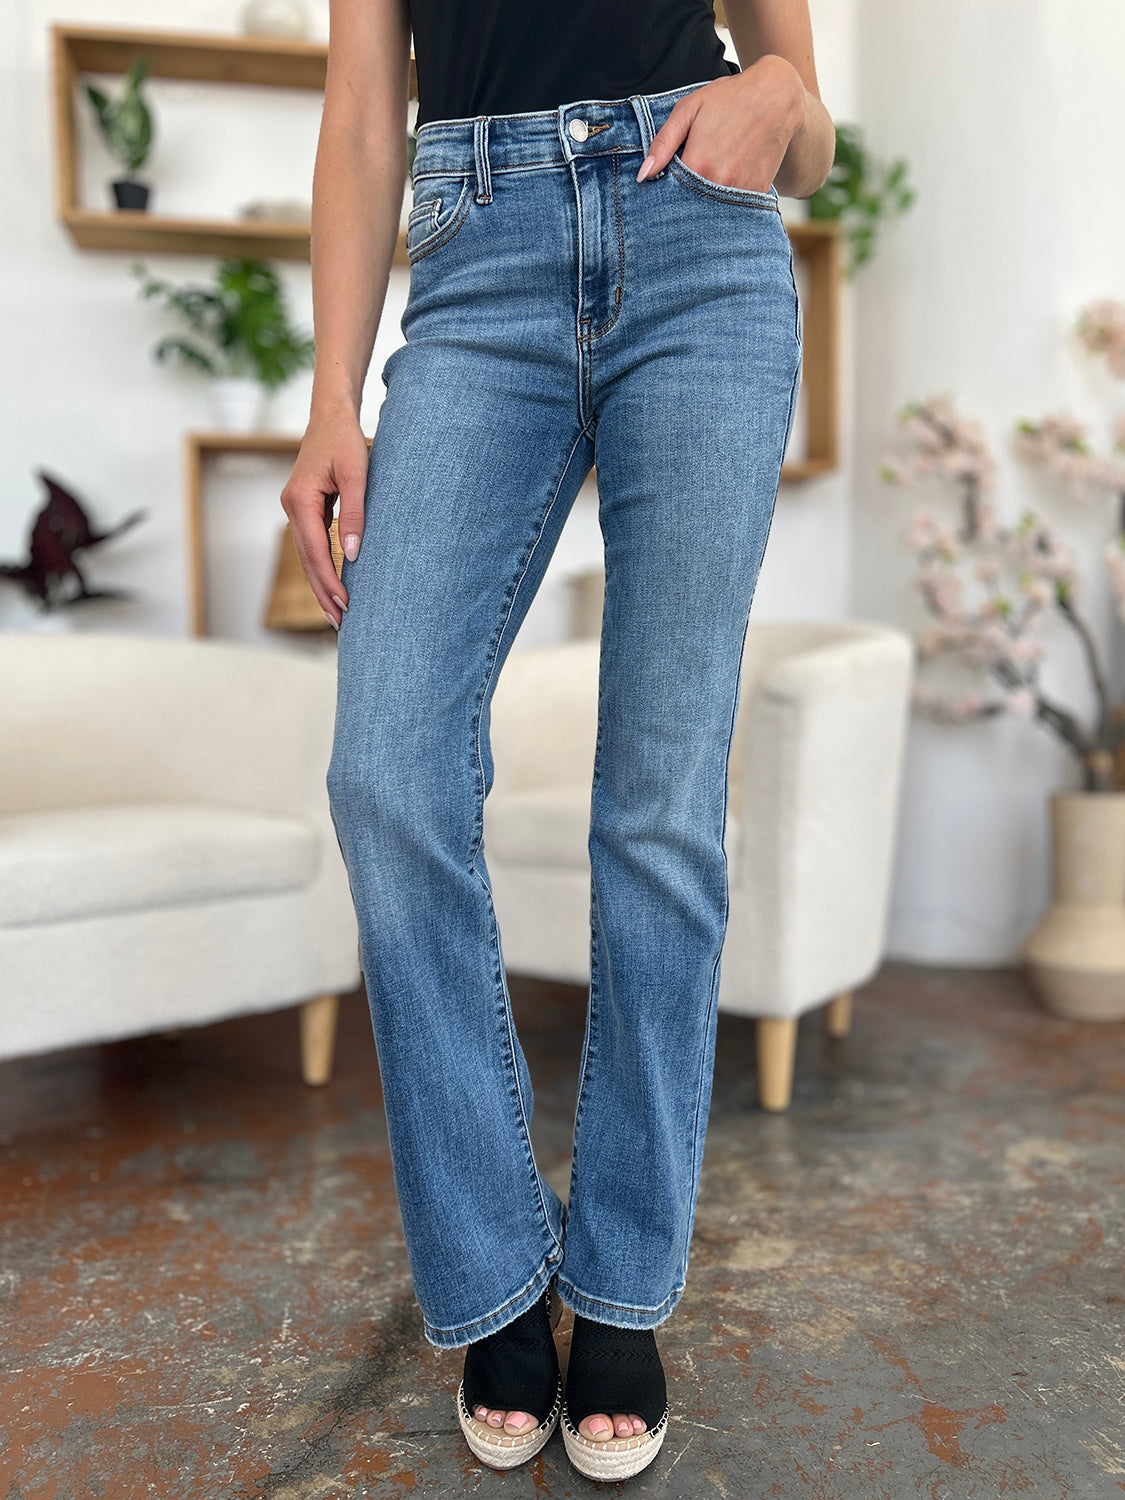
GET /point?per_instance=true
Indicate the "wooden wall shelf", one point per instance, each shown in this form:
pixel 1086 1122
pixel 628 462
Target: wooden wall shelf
pixel 130 229
pixel 263 61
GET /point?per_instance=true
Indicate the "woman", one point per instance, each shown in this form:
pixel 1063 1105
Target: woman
pixel 599 271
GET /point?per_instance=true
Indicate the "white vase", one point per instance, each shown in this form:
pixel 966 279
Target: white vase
pixel 34 619
pixel 1076 955
pixel 284 18
pixel 239 403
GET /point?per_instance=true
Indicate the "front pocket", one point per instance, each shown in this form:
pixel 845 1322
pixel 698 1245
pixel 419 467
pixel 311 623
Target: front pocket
pixel 440 208
pixel 722 190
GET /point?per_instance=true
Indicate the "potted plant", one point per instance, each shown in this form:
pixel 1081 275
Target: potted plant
pixel 1076 954
pixel 988 589
pixel 244 338
pixel 860 191
pixel 50 574
pixel 126 124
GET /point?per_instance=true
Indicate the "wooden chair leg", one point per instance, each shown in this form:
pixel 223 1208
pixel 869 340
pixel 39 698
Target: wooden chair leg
pixel 777 1047
pixel 318 1038
pixel 838 1014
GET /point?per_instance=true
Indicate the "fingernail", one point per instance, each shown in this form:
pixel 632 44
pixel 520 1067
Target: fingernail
pixel 337 600
pixel 351 546
pixel 331 621
pixel 646 167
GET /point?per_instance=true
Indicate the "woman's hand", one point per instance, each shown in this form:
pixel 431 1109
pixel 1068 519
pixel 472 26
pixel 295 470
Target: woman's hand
pixel 332 461
pixel 740 126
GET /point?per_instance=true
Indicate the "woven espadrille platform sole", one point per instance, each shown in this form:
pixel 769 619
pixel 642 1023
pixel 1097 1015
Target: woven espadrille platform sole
pixel 500 1449
pixel 613 1458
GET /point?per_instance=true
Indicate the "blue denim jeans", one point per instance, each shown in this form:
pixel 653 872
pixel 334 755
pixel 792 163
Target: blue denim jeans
pixel 560 314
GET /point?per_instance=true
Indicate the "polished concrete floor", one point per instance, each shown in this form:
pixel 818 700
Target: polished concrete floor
pixel 909 1285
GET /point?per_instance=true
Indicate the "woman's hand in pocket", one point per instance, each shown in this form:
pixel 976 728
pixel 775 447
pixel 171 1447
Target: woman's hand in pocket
pixel 734 130
pixel 332 461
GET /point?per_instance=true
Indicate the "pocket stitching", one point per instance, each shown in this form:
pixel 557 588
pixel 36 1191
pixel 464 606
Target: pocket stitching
pixel 422 211
pixel 441 236
pixel 722 191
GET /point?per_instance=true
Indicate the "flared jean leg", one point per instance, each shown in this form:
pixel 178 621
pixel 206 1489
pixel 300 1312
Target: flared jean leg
pixel 436 596
pixel 688 447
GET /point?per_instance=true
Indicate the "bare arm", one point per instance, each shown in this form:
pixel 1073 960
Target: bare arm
pixel 358 183
pixel 765 124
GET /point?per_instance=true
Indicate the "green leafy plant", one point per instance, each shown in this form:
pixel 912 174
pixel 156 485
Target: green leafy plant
pixel 242 323
pixel 126 122
pixel 861 191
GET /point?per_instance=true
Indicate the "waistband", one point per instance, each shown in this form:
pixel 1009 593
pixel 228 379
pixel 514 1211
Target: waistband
pixel 542 137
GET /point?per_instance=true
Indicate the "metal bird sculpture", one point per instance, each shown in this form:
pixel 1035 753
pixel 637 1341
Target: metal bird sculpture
pixel 60 531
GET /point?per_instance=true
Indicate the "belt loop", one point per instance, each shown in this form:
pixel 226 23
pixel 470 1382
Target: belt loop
pixel 644 120
pixel 480 157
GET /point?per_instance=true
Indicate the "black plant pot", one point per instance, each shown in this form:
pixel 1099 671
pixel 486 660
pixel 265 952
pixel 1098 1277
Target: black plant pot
pixel 130 194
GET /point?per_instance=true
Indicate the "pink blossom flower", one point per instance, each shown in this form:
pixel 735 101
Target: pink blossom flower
pixel 1024 649
pixel 1101 328
pixel 1036 590
pixel 1021 704
pixel 967 706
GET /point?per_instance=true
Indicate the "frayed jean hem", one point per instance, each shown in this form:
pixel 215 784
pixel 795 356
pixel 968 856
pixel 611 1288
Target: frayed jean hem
pixel 617 1314
pixel 500 1317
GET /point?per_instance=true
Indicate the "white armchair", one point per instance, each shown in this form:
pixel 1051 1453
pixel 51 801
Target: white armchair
pixel 815 773
pixel 167 855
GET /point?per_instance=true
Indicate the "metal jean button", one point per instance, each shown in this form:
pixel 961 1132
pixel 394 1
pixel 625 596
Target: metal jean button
pixel 579 130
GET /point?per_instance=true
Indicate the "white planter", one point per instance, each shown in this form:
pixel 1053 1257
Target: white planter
pixel 28 616
pixel 239 403
pixel 1076 955
pixel 53 621
pixel 284 18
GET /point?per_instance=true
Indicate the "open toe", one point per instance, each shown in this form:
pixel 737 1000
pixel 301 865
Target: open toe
pixel 615 1411
pixel 512 1378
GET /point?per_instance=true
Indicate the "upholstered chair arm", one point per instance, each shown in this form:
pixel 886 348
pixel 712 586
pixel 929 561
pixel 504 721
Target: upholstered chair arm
pixel 544 717
pixel 815 783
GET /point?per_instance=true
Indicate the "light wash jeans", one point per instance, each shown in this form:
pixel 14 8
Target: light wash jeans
pixel 560 314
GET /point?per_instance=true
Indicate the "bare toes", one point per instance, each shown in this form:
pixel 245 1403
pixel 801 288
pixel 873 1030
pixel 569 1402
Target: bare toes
pixel 598 1427
pixel 518 1421
pixel 639 1425
pixel 622 1426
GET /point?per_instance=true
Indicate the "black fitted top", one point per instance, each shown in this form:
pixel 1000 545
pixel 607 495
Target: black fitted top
pixel 491 57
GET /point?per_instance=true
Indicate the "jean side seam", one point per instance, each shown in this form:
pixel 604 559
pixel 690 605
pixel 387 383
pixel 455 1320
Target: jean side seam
pixel 699 1124
pixel 490 676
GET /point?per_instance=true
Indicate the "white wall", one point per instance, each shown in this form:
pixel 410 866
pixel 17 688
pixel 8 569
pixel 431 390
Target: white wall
pixel 83 398
pixel 1009 112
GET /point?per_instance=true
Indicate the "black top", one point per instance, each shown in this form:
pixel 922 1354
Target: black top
pixel 492 57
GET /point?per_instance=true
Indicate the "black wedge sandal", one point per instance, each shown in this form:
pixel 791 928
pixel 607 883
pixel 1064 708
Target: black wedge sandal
pixel 515 1369
pixel 613 1370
